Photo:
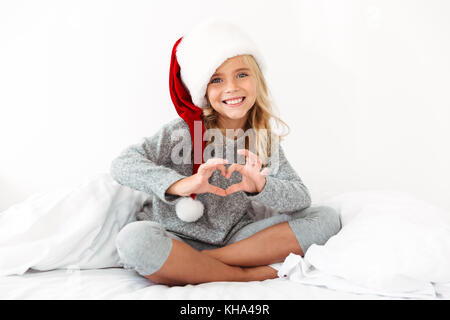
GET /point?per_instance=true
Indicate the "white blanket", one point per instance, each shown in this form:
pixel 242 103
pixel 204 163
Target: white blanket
pixel 70 228
pixel 390 244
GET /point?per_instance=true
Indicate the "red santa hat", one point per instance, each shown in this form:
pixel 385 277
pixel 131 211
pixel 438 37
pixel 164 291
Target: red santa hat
pixel 195 58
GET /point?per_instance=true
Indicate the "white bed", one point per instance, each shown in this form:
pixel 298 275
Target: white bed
pixel 118 283
pixel 61 245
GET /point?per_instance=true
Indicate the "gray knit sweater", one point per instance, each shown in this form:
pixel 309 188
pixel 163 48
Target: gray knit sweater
pixel 147 166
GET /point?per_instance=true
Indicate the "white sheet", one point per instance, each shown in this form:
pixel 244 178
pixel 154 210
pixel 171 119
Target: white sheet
pixel 76 228
pixel 391 243
pixel 117 283
pixel 297 269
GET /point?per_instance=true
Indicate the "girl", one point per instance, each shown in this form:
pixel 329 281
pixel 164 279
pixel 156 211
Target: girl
pixel 200 223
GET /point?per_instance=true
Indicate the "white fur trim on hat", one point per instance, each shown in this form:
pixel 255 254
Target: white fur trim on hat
pixel 189 210
pixel 205 48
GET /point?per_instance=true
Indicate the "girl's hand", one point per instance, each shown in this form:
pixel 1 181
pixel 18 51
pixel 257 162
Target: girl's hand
pixel 253 179
pixel 198 183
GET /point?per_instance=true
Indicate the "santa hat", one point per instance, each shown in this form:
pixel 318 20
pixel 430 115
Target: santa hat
pixel 195 58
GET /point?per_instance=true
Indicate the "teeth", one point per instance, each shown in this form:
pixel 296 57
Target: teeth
pixel 235 101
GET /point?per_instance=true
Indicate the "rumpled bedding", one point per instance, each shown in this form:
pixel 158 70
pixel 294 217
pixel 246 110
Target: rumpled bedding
pixel 69 228
pixel 391 244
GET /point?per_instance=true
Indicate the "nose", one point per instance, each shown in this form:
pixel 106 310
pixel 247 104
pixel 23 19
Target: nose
pixel 231 86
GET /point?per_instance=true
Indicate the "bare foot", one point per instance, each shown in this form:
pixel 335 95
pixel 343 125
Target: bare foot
pixel 260 273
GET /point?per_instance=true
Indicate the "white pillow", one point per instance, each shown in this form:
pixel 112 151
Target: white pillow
pixel 67 228
pixel 389 241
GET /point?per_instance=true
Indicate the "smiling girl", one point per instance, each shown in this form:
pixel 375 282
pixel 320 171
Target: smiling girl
pixel 199 223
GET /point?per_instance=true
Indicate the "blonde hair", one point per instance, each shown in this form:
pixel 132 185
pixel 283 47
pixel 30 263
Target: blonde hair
pixel 259 118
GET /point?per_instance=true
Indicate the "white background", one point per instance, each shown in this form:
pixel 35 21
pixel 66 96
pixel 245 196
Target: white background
pixel 363 85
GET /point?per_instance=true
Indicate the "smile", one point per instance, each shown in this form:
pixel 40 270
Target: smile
pixel 237 102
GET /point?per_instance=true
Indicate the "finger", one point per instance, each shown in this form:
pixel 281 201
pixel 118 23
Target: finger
pixel 210 166
pixel 216 190
pixel 204 169
pixel 265 171
pixel 217 165
pixel 234 167
pixel 259 162
pixel 234 188
pixel 251 158
pixel 214 161
pixel 222 169
pixel 212 169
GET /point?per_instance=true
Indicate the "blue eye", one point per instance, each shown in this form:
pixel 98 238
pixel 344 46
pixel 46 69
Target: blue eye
pixel 212 81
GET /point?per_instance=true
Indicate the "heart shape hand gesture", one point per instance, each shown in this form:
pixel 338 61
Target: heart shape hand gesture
pixel 253 179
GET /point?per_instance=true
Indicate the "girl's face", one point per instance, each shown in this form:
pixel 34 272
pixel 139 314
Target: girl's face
pixel 232 80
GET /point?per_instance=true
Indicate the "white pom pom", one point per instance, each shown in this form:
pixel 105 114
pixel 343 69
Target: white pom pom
pixel 189 210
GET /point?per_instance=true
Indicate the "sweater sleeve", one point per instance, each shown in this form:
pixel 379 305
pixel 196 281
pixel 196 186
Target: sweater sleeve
pixel 145 166
pixel 284 190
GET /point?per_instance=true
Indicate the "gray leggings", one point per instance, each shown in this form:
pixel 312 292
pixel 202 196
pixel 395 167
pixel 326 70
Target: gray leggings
pixel 145 245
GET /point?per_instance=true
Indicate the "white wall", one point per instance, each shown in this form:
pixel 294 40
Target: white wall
pixel 364 86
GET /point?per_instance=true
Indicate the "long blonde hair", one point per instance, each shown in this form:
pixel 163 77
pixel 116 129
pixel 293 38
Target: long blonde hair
pixel 260 115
